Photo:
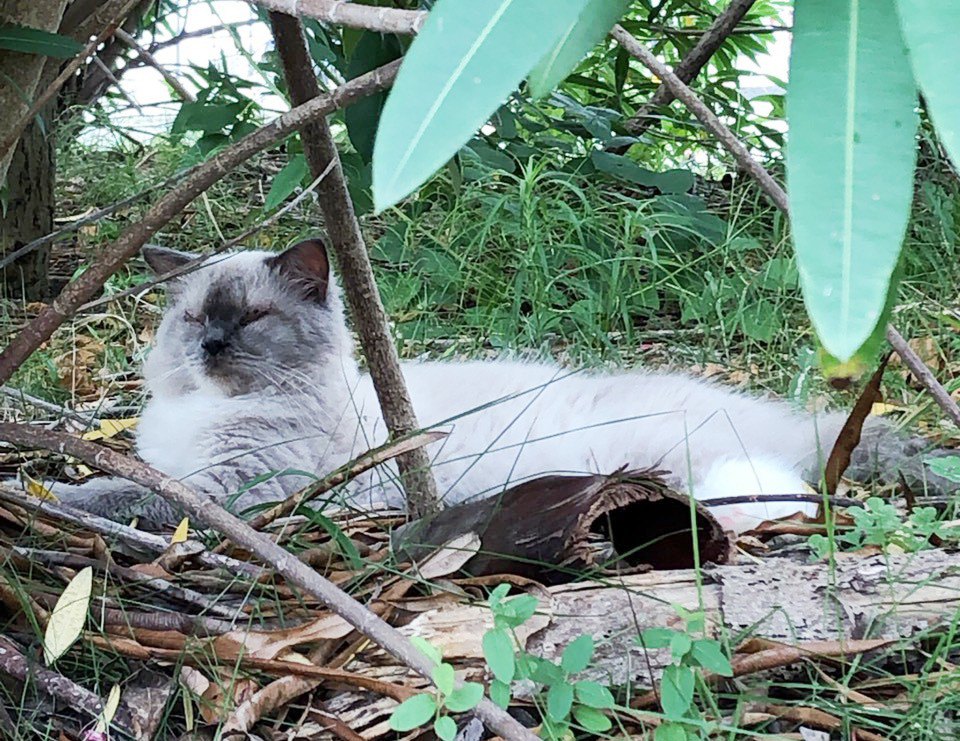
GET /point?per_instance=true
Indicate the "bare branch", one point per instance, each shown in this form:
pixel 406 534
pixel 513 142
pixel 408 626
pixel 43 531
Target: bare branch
pixel 352 15
pixel 200 178
pixel 690 66
pixel 772 188
pixel 360 286
pixel 151 61
pixel 297 573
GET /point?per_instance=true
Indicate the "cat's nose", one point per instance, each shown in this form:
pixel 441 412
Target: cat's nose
pixel 214 338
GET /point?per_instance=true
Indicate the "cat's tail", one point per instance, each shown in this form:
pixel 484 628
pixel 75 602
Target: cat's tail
pixel 887 455
pixel 119 500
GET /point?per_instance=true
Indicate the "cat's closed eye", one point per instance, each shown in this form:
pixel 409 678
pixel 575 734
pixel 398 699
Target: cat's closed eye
pixel 253 314
pixel 192 318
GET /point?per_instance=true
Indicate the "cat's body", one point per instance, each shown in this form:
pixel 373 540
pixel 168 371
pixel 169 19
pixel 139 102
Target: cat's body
pixel 253 372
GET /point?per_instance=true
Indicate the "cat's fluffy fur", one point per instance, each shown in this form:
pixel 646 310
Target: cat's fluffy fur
pixel 253 371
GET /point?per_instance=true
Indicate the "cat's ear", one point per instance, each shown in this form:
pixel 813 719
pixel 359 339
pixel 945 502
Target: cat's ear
pixel 307 266
pixel 162 260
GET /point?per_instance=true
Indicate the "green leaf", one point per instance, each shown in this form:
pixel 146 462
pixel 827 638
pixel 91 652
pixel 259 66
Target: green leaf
pixel 559 700
pixel 500 693
pixel 464 698
pixel 372 50
pixel 413 712
pixel 445 727
pixel 709 654
pixel 520 609
pixel 443 677
pixel 580 36
pixel 930 31
pixel 577 654
pixel 670 732
pixel 624 168
pixel 497 595
pixel 427 648
pixel 465 61
pixel 656 637
pixel 948 467
pixel 284 183
pixel 850 162
pixel 210 118
pixel 593 694
pixel 346 546
pixel 34 41
pixel 498 651
pixel 676 691
pixel 592 720
pixel 679 645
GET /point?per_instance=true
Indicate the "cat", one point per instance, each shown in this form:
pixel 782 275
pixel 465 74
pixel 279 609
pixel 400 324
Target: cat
pixel 253 372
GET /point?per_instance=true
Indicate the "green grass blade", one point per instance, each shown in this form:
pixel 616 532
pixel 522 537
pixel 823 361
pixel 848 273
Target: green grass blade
pixel 466 60
pixel 930 29
pixel 596 19
pixel 34 41
pixel 850 160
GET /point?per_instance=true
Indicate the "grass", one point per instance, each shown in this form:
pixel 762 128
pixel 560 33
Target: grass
pixel 550 263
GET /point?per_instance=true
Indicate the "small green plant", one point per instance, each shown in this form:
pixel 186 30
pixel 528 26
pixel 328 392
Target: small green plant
pixel 879 523
pixel 583 701
pixel 419 709
pixel 688 656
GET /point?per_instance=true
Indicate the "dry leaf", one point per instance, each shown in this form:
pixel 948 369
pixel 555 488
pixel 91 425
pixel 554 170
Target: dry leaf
pixel 35 489
pixel 451 557
pixel 110 427
pixel 180 534
pixel 268 644
pixel 109 710
pixel 68 616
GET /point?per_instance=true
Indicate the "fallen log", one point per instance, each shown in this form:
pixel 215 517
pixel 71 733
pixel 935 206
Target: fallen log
pixel 559 528
pixel 878 597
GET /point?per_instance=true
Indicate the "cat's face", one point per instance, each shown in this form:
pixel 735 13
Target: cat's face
pixel 246 321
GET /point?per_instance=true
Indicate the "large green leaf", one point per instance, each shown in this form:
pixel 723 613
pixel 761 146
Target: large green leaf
pixel 466 60
pixel 35 41
pixel 585 32
pixel 371 51
pixel 930 29
pixel 850 159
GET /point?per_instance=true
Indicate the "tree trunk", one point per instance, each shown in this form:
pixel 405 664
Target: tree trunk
pixel 30 204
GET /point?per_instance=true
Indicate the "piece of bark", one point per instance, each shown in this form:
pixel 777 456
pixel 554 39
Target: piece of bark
pixel 556 528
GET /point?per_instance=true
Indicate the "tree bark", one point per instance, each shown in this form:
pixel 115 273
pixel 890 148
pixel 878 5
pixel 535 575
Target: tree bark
pixel 356 272
pixel 30 208
pixel 20 73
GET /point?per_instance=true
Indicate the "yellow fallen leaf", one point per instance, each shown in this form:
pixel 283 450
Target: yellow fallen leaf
pixel 35 489
pixel 879 409
pixel 68 616
pixel 110 427
pixel 109 710
pixel 180 534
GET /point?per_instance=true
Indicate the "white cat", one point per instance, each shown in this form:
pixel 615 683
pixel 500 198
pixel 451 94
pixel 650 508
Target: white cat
pixel 253 372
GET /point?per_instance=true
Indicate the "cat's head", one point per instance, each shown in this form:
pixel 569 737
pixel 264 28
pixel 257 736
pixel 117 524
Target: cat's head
pixel 246 321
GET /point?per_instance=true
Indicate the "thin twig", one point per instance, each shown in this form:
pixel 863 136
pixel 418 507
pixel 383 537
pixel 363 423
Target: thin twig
pixel 89 219
pixel 772 188
pixel 298 574
pixel 84 419
pixel 197 181
pixel 691 64
pixel 136 539
pixel 766 498
pixel 151 61
pixel 351 15
pixel 11 141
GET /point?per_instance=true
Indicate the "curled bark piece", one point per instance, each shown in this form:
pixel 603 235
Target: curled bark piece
pixel 555 527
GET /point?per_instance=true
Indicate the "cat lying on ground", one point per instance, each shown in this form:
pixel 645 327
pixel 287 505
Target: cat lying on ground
pixel 253 372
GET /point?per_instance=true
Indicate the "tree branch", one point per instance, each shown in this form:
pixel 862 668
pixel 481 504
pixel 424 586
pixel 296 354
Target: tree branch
pixel 360 286
pixel 200 178
pixel 773 190
pixel 289 566
pixel 352 15
pixel 151 61
pixel 690 66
